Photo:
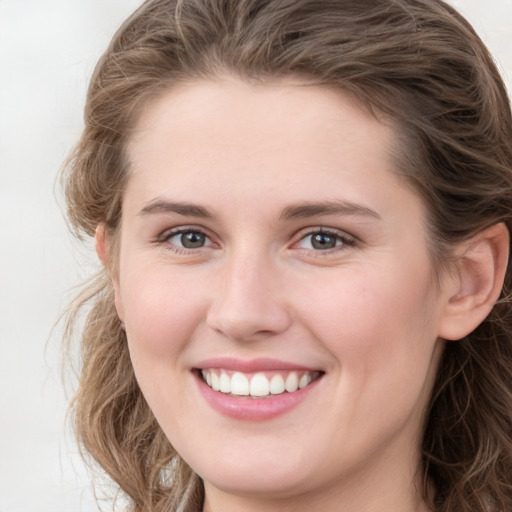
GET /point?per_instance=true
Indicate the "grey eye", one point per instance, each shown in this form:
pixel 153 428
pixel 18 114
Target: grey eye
pixel 189 239
pixel 323 241
pixel 193 240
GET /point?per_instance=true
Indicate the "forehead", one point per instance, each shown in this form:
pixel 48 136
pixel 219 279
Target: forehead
pixel 256 109
pixel 262 132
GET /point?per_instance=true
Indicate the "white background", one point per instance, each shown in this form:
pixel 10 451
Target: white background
pixel 48 49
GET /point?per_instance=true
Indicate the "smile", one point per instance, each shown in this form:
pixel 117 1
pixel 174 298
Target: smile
pixel 257 385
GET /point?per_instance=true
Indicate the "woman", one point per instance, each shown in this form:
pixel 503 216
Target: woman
pixel 303 210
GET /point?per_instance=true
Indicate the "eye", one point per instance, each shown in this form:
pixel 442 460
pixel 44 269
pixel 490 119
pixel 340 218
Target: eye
pixel 186 238
pixel 324 240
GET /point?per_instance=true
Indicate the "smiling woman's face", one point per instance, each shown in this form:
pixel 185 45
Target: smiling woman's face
pixel 268 248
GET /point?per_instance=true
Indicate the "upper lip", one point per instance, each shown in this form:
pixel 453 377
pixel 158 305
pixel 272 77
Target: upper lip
pixel 254 365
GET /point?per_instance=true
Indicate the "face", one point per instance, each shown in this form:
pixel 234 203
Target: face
pixel 276 289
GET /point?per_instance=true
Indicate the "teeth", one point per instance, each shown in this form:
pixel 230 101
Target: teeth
pixel 225 383
pixel 215 382
pixel 258 385
pixel 304 381
pixel 292 383
pixel 277 385
pixel 239 384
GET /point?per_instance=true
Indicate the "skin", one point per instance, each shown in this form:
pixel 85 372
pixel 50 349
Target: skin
pixel 366 312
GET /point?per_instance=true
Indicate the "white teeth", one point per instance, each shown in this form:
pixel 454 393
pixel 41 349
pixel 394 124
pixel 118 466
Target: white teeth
pixel 304 381
pixel 239 384
pixel 225 383
pixel 277 385
pixel 259 385
pixel 215 382
pixel 292 382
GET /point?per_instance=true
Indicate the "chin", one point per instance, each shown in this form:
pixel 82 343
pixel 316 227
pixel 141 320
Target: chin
pixel 275 483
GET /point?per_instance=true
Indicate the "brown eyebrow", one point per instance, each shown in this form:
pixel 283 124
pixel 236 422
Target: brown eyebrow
pixel 304 210
pixel 185 209
pixel 298 211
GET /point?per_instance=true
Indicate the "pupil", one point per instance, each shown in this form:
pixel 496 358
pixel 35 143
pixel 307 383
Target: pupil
pixel 192 240
pixel 323 241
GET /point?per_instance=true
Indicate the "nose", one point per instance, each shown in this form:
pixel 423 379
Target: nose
pixel 250 303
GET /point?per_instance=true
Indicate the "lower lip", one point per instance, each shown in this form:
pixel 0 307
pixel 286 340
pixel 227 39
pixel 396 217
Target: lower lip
pixel 253 409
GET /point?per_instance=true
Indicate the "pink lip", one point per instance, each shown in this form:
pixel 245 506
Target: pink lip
pixel 255 365
pixel 253 409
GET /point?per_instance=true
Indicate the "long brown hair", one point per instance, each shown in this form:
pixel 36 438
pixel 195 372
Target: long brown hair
pixel 416 63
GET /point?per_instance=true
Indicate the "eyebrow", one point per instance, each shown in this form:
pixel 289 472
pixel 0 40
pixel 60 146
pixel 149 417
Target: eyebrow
pixel 313 209
pixel 297 211
pixel 186 209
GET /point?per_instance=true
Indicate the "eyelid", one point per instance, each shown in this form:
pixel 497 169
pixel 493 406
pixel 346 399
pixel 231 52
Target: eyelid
pixel 347 240
pixel 169 233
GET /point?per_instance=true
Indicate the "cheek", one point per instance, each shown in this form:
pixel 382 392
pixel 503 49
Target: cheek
pixel 379 329
pixel 162 315
pixel 381 336
pixel 161 311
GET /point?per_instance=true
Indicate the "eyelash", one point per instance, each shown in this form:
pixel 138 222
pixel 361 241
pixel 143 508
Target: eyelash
pixel 343 240
pixel 164 239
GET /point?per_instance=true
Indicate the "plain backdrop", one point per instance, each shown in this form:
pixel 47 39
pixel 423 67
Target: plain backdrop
pixel 48 49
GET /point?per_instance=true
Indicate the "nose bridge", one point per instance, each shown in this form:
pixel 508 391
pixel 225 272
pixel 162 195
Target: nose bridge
pixel 249 302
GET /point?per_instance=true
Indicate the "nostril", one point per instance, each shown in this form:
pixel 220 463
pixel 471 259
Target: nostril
pixel 248 302
pixel 248 323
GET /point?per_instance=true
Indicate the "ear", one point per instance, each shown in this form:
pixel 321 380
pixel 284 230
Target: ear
pixel 103 250
pixel 477 283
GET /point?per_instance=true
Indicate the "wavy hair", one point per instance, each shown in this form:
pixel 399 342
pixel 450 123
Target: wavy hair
pixel 417 63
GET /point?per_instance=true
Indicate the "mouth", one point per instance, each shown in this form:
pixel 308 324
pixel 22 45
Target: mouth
pixel 257 385
pixel 255 390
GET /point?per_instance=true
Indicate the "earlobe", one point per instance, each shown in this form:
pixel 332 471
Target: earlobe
pixel 477 284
